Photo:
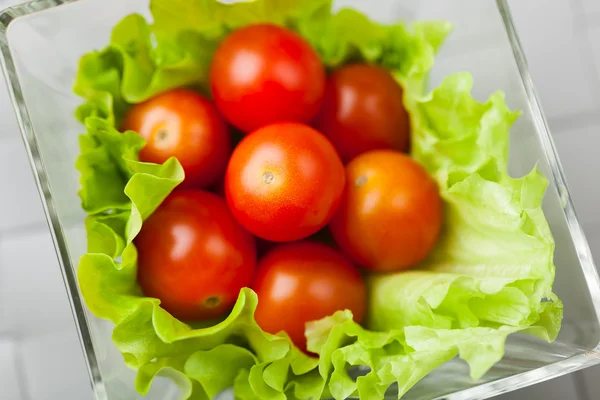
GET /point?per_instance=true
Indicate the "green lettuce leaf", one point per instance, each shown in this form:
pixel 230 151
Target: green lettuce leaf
pixel 490 275
pixel 138 65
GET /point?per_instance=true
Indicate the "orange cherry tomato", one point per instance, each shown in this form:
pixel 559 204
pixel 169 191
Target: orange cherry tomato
pixel 391 212
pixel 186 125
pixel 284 182
pixel 363 110
pixel 194 256
pixel 305 281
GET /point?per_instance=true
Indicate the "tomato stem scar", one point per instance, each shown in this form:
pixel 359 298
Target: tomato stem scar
pixel 268 177
pixel 361 180
pixel 162 134
pixel 212 301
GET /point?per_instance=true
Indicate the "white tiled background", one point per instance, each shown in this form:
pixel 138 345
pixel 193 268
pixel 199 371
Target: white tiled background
pixel 562 43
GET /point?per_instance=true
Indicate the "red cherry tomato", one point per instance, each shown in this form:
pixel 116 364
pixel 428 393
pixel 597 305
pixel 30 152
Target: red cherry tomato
pixel 305 281
pixel 262 74
pixel 186 125
pixel 363 110
pixel 284 182
pixel 391 212
pixel 194 256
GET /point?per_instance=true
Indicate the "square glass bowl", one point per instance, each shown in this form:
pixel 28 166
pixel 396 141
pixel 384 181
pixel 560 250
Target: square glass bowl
pixel 41 44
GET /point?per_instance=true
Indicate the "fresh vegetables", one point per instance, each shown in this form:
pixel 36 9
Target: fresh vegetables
pixel 194 256
pixel 489 274
pixel 263 73
pixel 284 182
pixel 183 124
pixel 391 212
pixel 364 110
pixel 311 279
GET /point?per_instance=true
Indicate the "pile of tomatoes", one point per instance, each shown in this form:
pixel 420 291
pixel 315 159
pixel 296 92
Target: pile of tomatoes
pixel 321 152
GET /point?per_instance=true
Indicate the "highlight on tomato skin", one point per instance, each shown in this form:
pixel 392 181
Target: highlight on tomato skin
pixel 284 182
pixel 184 124
pixel 263 74
pixel 363 110
pixel 391 212
pixel 194 256
pixel 305 281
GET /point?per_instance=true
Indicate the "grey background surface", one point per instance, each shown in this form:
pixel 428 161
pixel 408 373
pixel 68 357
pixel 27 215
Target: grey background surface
pixel 40 356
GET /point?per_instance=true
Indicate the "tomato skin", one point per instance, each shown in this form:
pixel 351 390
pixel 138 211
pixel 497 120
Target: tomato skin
pixel 305 281
pixel 363 110
pixel 284 182
pixel 263 73
pixel 184 124
pixel 191 251
pixel 391 212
